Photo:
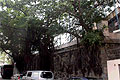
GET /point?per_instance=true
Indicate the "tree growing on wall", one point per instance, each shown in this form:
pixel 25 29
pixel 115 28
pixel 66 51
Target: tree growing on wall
pixel 85 13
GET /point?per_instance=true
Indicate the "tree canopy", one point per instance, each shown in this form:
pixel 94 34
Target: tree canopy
pixel 27 28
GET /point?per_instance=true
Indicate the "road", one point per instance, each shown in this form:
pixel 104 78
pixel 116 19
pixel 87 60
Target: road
pixel 4 79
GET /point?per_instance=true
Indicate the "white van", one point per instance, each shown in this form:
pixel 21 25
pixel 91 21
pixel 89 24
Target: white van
pixel 39 75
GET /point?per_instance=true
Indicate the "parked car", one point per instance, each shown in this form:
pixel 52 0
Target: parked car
pixel 17 76
pixel 38 75
pixel 84 78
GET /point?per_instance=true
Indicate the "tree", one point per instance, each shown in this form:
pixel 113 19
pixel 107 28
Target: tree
pixel 28 27
pixel 85 13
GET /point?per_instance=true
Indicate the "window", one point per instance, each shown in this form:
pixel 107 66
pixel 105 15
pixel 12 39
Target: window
pixel 46 75
pixel 29 74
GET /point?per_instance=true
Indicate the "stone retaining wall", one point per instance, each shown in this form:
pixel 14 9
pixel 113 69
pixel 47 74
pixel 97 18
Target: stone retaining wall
pixel 65 59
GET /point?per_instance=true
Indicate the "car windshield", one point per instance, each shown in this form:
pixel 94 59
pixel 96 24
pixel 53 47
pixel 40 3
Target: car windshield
pixel 46 75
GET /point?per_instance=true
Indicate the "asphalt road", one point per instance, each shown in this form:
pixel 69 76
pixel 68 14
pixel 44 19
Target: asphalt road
pixel 4 79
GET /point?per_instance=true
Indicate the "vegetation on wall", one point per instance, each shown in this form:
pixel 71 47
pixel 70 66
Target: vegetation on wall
pixel 89 59
pixel 85 14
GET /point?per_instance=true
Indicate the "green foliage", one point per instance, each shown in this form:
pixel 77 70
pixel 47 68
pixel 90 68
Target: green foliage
pixel 5 59
pixel 94 37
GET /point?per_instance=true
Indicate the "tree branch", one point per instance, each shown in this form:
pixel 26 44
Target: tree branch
pixel 6 52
